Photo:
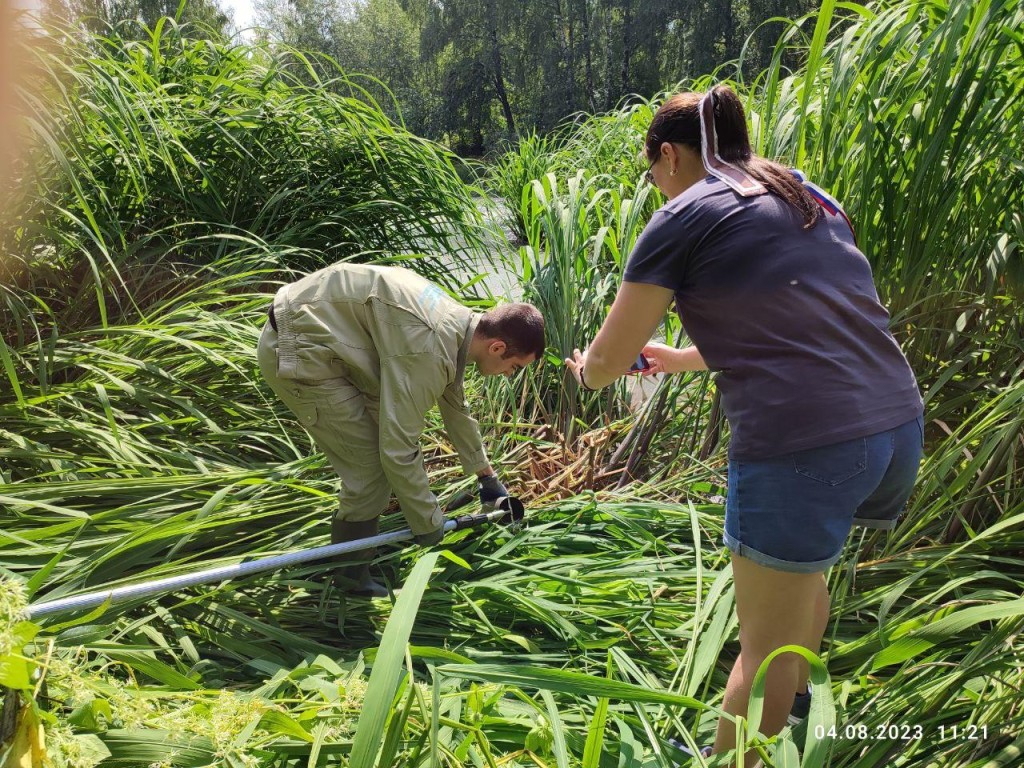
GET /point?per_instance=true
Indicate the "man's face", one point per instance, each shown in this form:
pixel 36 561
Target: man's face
pixel 494 362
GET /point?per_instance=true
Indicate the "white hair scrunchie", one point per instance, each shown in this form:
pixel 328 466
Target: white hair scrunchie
pixel 736 178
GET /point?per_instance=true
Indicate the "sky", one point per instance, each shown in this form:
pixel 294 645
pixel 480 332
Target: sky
pixel 242 10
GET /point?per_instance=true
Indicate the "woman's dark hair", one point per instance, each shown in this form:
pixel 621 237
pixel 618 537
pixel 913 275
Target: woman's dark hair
pixel 520 326
pixel 678 121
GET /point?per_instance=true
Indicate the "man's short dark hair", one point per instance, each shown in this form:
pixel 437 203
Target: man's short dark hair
pixel 520 326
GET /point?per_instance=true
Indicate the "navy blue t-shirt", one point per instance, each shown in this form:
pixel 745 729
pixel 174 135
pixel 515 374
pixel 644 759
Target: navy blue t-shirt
pixel 789 318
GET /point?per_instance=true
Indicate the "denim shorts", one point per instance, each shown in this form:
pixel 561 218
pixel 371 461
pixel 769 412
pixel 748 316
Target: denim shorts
pixel 793 512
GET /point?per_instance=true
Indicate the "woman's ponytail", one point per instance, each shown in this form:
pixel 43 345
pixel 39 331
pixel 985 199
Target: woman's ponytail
pixel 715 126
pixel 730 125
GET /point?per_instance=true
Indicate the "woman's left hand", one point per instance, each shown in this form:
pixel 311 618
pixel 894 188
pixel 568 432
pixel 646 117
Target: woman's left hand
pixel 575 364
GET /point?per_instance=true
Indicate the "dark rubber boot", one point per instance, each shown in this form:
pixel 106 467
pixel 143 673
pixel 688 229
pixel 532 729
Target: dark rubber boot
pixel 354 577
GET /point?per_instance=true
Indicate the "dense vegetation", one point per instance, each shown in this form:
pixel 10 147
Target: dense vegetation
pixel 509 68
pixel 175 181
pixel 481 73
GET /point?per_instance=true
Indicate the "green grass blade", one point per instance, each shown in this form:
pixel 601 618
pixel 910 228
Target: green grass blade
pixel 387 667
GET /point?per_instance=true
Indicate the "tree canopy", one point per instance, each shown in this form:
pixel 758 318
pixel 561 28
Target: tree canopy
pixel 477 72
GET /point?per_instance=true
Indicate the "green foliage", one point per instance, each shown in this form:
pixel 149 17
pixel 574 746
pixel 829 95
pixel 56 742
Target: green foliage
pixel 374 41
pixel 607 144
pixel 577 238
pixel 139 445
pixel 481 73
pixel 15 633
pixel 133 18
pixel 156 159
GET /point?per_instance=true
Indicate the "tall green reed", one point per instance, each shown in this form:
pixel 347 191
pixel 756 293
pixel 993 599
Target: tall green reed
pixel 152 158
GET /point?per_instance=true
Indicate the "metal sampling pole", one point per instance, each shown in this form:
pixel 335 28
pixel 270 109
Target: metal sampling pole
pixel 508 509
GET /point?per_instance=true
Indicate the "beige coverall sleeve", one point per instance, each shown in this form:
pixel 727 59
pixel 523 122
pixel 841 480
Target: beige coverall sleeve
pixel 463 430
pixel 409 387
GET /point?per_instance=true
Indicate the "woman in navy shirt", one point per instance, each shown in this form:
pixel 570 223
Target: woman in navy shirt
pixel 823 409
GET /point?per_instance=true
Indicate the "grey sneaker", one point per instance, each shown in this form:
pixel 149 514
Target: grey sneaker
pixel 704 751
pixel 798 714
pixel 801 708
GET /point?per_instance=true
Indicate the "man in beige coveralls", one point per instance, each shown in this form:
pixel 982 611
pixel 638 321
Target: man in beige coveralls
pixel 360 354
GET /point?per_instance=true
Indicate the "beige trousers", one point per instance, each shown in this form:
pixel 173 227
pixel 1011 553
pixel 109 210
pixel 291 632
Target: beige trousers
pixel 343 424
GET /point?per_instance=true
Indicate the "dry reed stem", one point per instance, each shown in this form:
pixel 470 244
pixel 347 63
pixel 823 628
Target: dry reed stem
pixel 553 470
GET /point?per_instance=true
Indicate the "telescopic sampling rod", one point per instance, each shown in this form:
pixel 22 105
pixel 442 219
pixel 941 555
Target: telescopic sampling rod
pixel 507 510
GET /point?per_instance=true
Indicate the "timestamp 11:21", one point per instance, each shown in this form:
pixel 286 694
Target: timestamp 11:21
pixel 963 732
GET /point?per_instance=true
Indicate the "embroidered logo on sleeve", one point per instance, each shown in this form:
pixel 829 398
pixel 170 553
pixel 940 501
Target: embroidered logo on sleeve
pixel 430 297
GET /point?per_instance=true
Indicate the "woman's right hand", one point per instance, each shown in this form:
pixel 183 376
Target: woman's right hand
pixel 661 358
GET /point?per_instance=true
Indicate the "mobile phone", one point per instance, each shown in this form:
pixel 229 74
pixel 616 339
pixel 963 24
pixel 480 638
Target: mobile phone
pixel 640 365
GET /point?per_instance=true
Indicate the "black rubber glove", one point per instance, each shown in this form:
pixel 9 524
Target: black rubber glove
pixel 430 538
pixel 491 490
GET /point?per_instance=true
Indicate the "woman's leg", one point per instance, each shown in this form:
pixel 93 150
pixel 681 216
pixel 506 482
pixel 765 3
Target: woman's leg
pixel 822 607
pixel 775 608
